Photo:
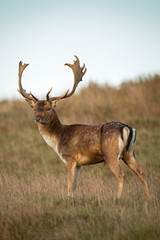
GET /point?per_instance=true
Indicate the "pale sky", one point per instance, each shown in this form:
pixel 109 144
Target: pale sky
pixel 117 40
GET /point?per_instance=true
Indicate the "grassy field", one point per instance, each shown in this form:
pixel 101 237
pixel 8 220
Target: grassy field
pixel 33 191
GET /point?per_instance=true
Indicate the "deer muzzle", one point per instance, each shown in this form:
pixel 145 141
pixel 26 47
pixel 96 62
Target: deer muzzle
pixel 39 119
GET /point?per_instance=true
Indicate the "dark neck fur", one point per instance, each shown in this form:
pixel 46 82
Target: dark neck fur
pixel 53 126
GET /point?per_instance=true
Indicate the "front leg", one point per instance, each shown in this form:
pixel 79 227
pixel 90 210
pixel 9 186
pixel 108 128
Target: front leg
pixel 73 173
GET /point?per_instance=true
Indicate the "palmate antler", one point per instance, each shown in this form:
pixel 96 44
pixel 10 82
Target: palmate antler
pixel 78 73
pixel 22 91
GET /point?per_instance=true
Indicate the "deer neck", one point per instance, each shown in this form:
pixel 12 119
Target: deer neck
pixel 52 131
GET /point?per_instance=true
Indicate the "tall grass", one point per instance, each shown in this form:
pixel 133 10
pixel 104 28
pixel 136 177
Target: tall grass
pixel 33 196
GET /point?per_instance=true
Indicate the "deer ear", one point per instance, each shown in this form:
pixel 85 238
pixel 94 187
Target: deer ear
pixel 54 103
pixel 31 103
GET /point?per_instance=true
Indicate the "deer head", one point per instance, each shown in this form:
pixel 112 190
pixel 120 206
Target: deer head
pixel 45 108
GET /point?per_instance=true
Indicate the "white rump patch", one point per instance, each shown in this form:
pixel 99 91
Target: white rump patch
pixel 122 143
pixel 126 132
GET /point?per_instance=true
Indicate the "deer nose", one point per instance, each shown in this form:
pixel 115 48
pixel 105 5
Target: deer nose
pixel 37 118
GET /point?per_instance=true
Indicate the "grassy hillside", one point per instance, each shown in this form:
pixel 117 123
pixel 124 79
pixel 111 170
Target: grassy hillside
pixel 33 202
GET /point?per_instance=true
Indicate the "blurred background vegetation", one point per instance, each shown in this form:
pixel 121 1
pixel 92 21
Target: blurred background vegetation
pixel 33 178
pixel 134 103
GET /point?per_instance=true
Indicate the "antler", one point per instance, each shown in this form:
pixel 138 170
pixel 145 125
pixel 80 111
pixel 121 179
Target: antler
pixel 22 91
pixel 78 73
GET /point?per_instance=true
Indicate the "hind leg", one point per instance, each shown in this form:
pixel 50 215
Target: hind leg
pixel 113 164
pixel 129 159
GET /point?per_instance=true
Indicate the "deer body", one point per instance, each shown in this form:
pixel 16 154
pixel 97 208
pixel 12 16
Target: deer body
pixel 79 144
pixel 83 143
pixel 72 147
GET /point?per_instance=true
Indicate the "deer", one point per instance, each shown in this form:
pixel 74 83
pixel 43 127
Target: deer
pixel 79 144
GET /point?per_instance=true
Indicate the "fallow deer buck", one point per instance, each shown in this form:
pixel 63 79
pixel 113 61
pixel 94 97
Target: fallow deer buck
pixel 79 144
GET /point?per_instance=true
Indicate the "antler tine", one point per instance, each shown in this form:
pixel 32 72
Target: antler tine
pixel 78 73
pixel 47 95
pixel 22 91
pixel 56 98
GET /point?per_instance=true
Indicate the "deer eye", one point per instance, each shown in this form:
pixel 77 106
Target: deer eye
pixel 48 109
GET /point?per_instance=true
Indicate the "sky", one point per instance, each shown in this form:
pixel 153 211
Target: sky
pixel 118 40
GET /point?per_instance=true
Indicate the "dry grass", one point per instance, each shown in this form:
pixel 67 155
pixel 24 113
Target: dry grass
pixel 33 202
pixel 36 207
